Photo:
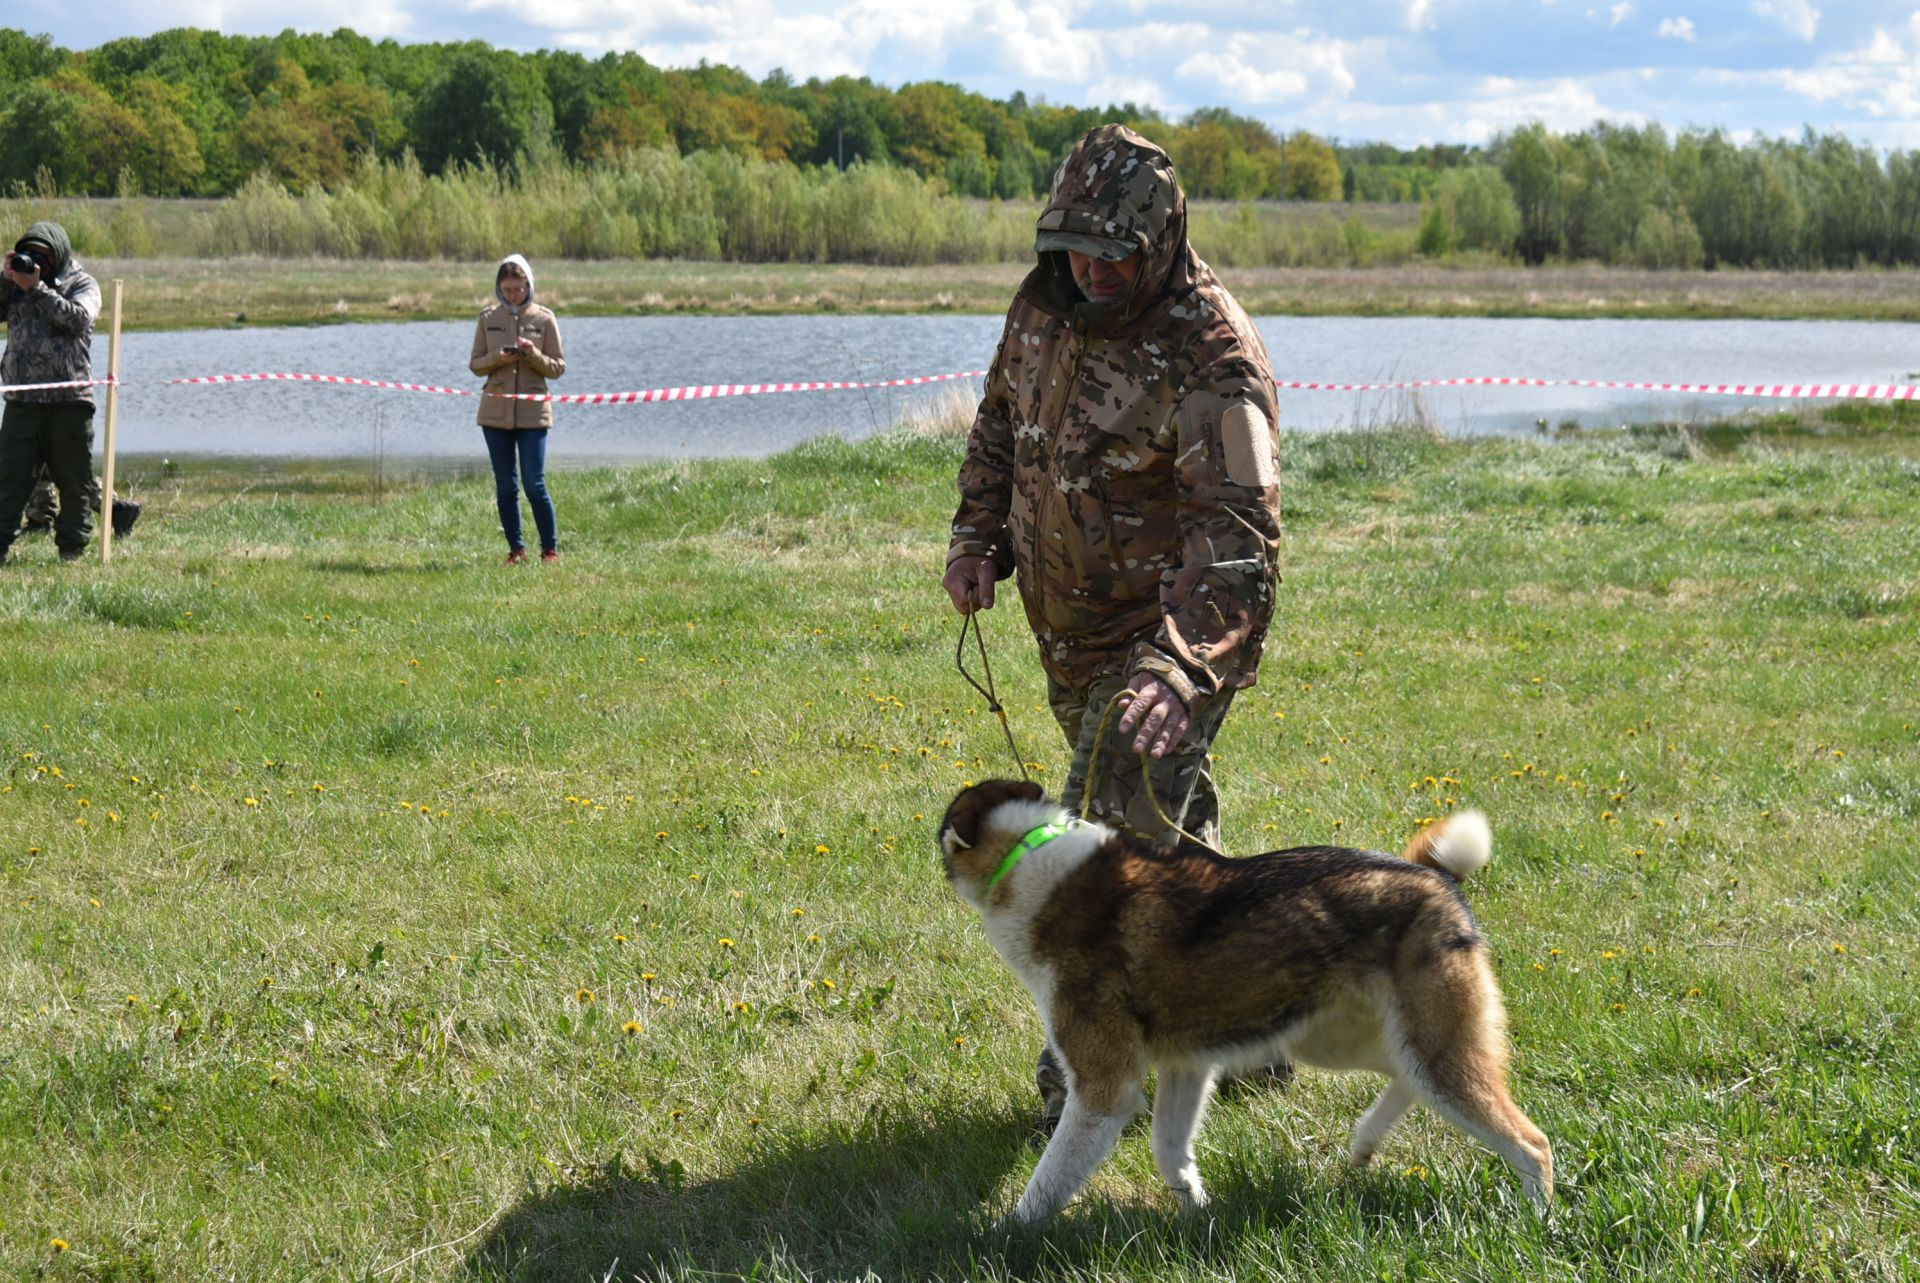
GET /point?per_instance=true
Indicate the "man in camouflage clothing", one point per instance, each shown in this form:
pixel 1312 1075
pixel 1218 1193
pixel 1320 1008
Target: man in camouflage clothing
pixel 49 312
pixel 1123 466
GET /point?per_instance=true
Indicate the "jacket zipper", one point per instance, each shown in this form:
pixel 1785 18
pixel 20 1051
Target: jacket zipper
pixel 1051 495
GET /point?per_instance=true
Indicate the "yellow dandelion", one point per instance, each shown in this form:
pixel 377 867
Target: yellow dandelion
pixel 813 939
pixel 1539 966
pixel 960 1042
pixel 133 1000
pixel 251 801
pixel 742 1007
pixel 1553 953
pixel 799 913
pixel 60 1245
pixel 583 996
pixel 618 938
pixel 677 1113
pixel 1839 948
pixel 726 942
pixel 1618 1006
pixel 266 982
pixel 1694 992
pixel 753 1122
pixel 1609 954
pixel 822 849
pixel 648 977
pixel 631 1028
pixel 828 984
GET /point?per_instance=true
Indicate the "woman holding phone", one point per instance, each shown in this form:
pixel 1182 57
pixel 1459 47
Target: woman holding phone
pixel 517 349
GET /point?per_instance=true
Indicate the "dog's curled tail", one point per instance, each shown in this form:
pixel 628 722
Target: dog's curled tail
pixel 1460 845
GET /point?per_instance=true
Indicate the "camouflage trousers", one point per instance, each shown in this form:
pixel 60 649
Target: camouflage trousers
pixel 43 506
pixel 1180 781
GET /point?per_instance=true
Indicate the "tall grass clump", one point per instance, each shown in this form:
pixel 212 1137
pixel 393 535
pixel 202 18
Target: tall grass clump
pixel 658 204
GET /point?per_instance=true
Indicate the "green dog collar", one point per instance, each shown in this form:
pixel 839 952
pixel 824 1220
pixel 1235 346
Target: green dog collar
pixel 1026 846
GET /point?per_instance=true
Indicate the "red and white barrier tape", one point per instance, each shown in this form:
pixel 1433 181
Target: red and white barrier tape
pixel 699 392
pixel 705 392
pixel 1791 391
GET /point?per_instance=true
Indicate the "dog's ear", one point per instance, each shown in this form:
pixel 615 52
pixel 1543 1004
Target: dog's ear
pixel 971 806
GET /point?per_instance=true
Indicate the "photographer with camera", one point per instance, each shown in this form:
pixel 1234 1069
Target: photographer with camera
pixel 49 306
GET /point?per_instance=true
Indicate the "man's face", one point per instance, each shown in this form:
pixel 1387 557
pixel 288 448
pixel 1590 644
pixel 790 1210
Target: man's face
pixel 513 288
pixel 1102 281
pixel 42 256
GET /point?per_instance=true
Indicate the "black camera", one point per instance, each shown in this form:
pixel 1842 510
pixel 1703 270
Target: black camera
pixel 22 262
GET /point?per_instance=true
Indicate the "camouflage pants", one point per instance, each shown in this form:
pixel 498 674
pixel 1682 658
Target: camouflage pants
pixel 1180 781
pixel 43 506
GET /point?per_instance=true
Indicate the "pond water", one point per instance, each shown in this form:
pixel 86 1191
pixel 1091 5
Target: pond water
pixel 614 354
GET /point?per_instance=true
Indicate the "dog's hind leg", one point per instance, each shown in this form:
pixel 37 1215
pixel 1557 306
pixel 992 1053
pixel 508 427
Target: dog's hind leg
pixel 1080 1143
pixel 1179 1105
pixel 1468 1088
pixel 1373 1127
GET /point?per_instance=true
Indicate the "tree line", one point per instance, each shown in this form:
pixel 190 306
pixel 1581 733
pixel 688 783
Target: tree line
pixel 196 113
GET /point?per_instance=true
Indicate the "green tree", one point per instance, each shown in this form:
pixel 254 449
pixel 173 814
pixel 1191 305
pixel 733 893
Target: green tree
pixel 1479 209
pixel 293 145
pixel 1529 160
pixel 167 161
pixel 39 139
pixel 1311 169
pixel 486 108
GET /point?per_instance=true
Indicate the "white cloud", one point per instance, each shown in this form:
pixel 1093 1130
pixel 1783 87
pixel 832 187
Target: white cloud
pixel 1420 15
pixel 1874 79
pixel 1677 29
pixel 1241 83
pixel 1797 16
pixel 1620 13
pixel 1563 106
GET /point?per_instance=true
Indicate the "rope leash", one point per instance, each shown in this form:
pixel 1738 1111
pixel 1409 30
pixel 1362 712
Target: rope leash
pixel 1146 772
pixel 986 690
pixel 994 706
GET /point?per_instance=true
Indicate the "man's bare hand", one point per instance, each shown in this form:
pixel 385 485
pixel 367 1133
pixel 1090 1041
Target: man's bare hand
pixel 969 582
pixel 1160 714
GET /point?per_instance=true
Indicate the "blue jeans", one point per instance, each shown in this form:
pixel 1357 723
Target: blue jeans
pixel 532 446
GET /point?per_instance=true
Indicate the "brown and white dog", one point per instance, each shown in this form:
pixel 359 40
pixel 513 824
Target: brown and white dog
pixel 1197 965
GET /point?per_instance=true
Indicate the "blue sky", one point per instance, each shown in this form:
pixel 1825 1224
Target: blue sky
pixel 1402 71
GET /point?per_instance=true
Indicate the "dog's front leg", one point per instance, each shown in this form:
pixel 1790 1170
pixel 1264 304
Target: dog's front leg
pixel 1179 1103
pixel 1079 1145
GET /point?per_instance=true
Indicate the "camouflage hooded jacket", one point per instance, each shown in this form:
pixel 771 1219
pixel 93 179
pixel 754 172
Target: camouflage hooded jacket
pixel 50 327
pixel 1123 462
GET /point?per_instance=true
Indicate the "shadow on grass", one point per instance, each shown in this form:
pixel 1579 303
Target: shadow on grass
pixel 894 1199
pixel 367 568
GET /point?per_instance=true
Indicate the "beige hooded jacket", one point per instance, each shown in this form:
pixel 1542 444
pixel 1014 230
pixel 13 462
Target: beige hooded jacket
pixel 501 326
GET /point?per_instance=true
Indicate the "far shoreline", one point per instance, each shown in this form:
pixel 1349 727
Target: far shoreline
pixel 190 294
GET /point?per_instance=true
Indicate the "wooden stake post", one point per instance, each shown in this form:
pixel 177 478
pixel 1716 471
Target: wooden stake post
pixel 113 423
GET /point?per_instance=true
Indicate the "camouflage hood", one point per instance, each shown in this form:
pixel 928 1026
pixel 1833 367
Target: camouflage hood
pixel 1118 186
pixel 54 237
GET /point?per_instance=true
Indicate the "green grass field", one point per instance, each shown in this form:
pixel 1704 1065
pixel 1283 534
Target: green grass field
pixel 372 911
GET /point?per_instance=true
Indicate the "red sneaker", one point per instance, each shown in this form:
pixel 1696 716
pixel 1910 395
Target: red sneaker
pixel 517 556
pixel 548 554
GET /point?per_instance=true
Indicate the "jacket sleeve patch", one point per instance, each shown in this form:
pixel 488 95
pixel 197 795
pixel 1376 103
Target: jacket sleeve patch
pixel 1248 446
